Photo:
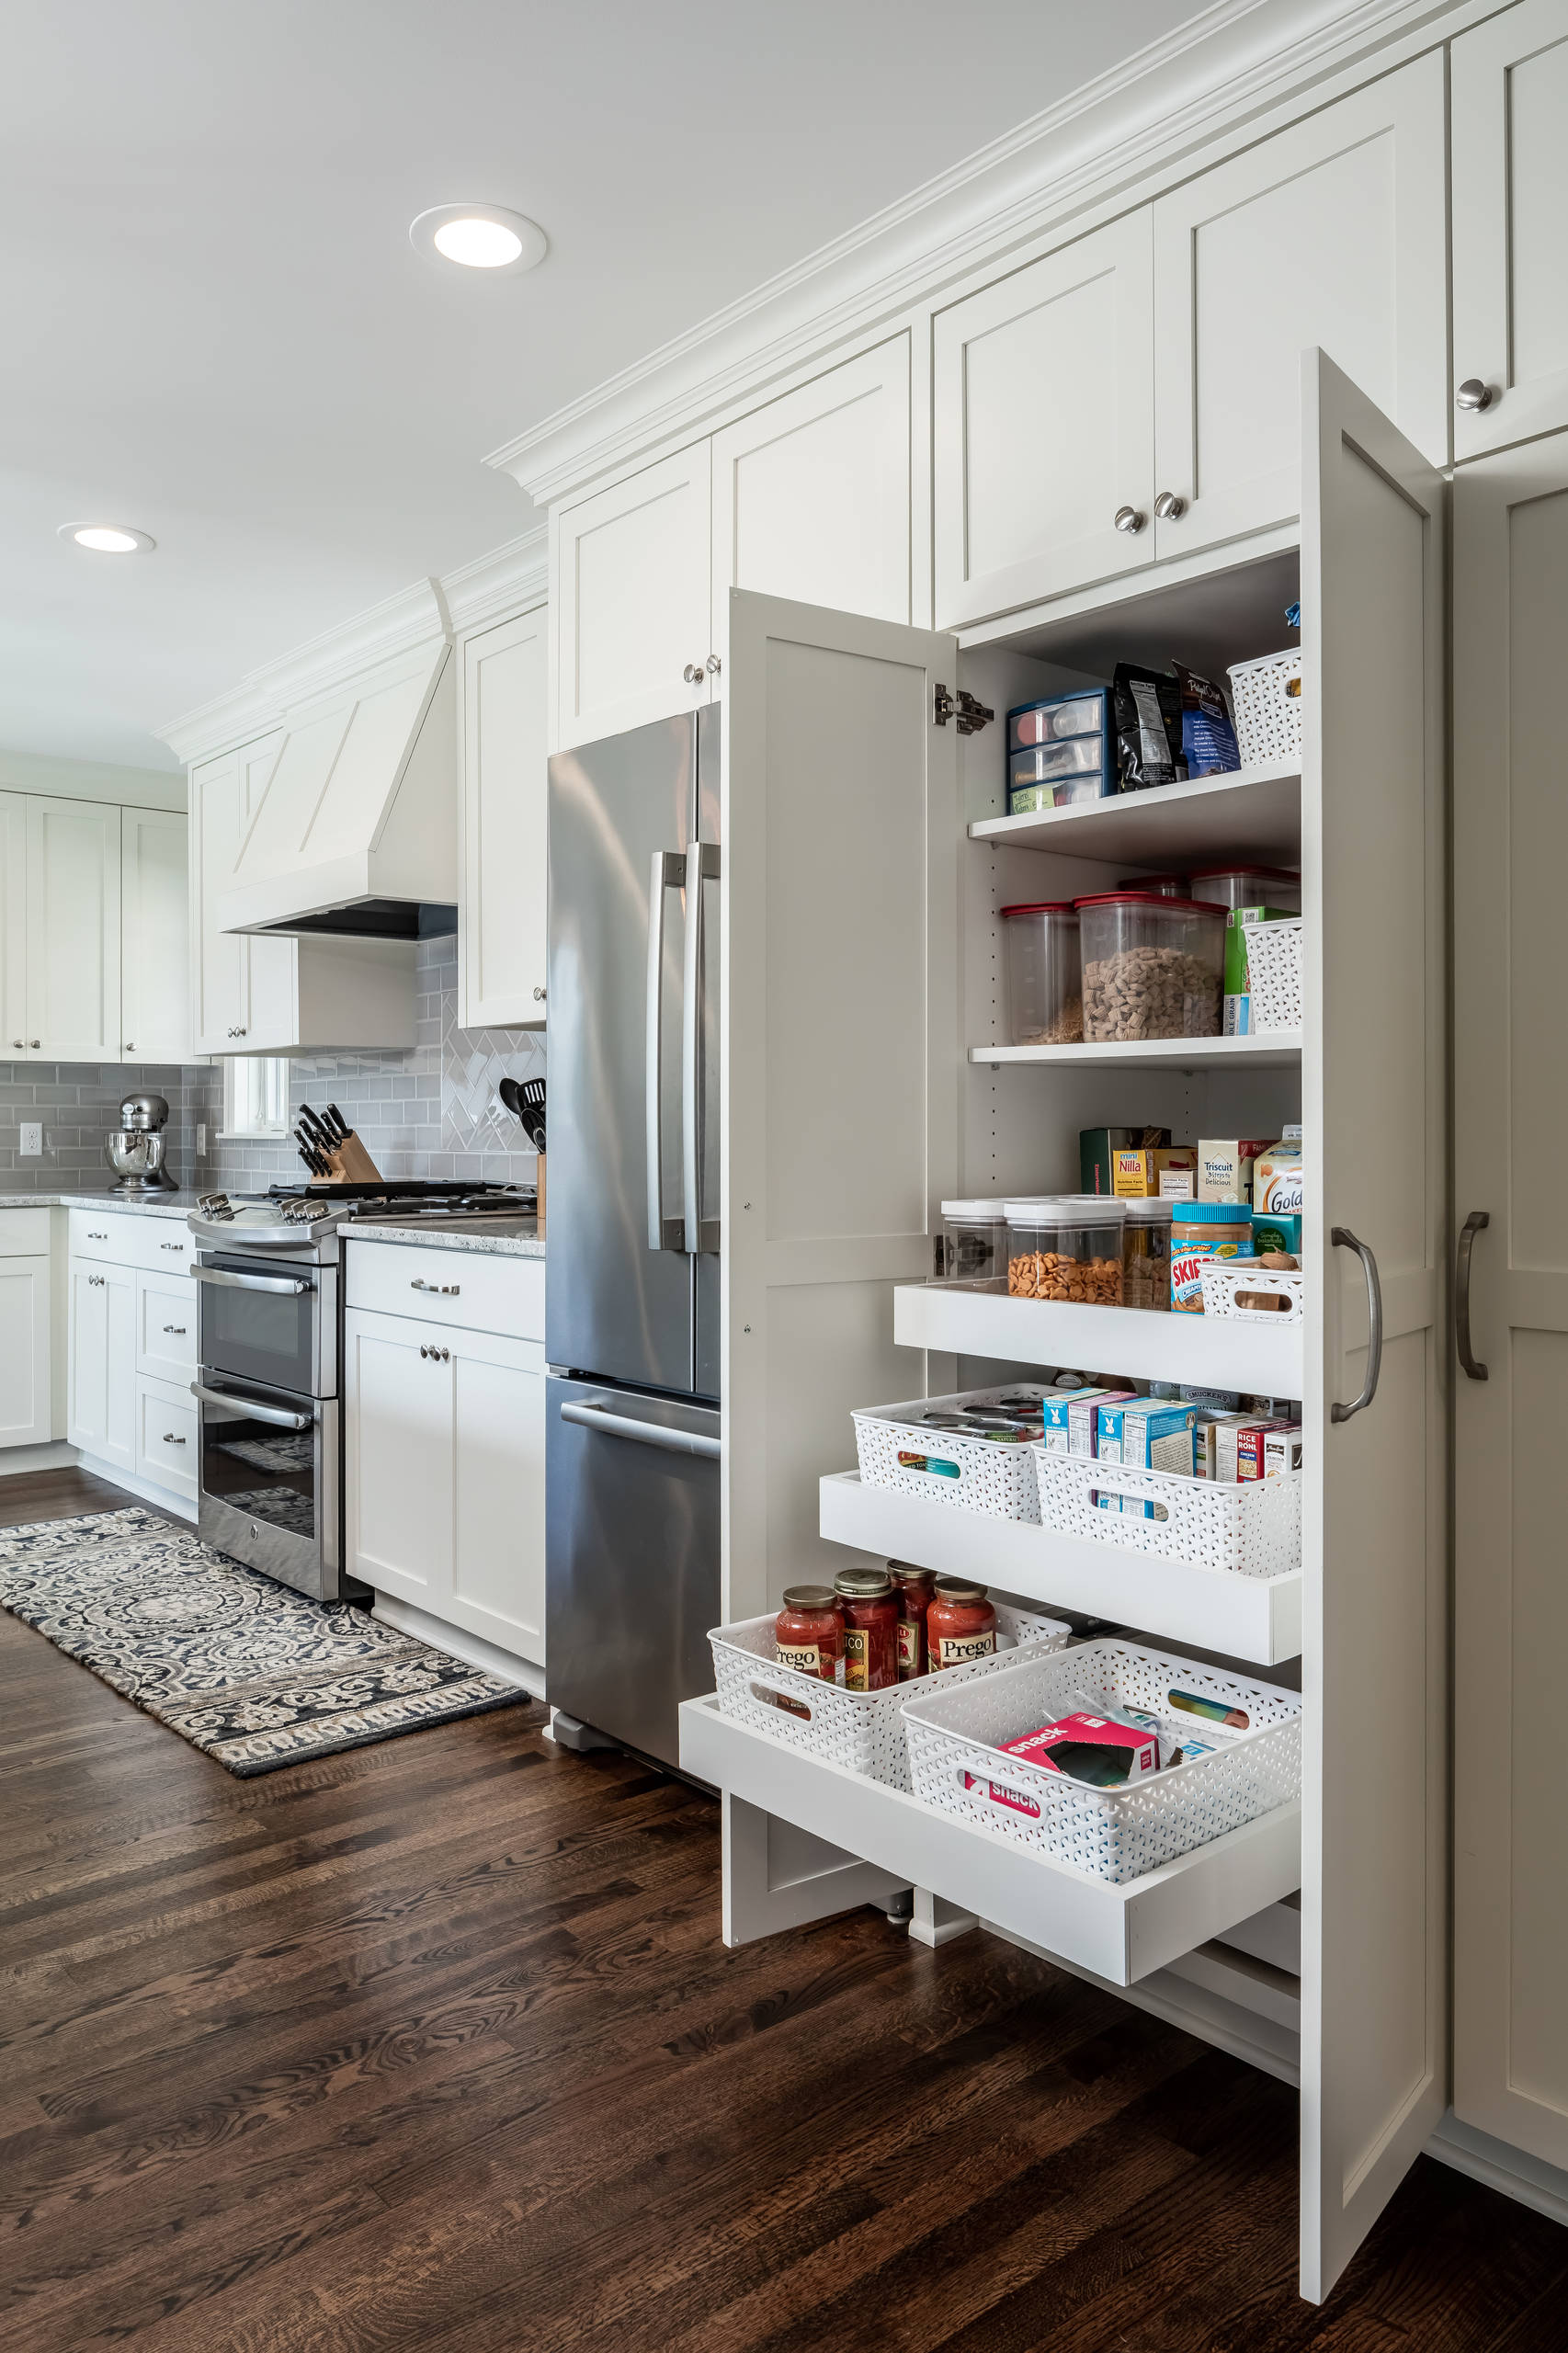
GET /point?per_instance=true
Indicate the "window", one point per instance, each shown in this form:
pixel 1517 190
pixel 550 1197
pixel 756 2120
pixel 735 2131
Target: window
pixel 256 1095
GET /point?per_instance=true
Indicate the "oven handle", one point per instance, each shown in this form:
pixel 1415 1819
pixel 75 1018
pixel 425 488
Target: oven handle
pixel 290 1284
pixel 252 1407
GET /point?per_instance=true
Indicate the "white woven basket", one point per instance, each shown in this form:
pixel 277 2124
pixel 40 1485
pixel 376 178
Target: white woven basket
pixel 1267 714
pixel 863 1730
pixel 1249 1529
pixel 1273 973
pixel 1223 1278
pixel 995 1477
pixel 1115 1834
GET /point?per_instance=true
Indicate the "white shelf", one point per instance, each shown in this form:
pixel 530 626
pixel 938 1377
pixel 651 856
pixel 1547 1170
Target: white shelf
pixel 1218 1352
pixel 1270 1050
pixel 1120 1932
pixel 1253 814
pixel 1252 1618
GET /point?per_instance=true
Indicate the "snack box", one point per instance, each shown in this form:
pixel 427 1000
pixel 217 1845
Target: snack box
pixel 1138 1175
pixel 1122 1752
pixel 1276 1176
pixel 1225 1167
pixel 1272 1230
pixel 1097 1146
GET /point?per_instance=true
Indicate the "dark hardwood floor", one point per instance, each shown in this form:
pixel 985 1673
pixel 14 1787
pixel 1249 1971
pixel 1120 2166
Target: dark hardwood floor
pixel 434 2046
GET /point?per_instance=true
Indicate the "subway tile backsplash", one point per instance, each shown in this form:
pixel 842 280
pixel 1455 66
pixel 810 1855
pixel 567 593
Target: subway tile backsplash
pixel 429 1112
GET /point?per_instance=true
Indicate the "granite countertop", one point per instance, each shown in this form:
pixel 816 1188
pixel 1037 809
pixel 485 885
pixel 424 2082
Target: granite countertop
pixel 505 1237
pixel 81 1197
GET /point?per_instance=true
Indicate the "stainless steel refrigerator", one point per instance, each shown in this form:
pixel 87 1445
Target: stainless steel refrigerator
pixel 631 1302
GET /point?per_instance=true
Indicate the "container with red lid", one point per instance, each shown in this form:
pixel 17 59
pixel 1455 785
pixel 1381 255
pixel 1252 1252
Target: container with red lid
pixel 1045 994
pixel 1151 967
pixel 1163 886
pixel 870 1629
pixel 1250 886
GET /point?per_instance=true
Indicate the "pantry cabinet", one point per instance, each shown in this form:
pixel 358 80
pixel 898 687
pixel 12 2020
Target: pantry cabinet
pixel 1510 189
pixel 1511 1381
pixel 156 997
pixel 504 789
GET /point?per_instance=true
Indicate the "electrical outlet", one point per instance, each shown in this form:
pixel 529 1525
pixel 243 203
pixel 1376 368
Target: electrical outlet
pixel 201 1136
pixel 32 1140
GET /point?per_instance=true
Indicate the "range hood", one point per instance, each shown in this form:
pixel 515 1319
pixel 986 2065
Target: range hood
pixel 355 833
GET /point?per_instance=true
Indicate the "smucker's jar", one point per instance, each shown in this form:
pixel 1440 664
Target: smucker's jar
pixel 960 1624
pixel 870 1629
pixel 1200 1232
pixel 914 1588
pixel 808 1632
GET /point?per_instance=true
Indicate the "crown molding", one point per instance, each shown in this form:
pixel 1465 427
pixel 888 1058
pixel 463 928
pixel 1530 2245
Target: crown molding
pixel 505 581
pixel 414 618
pixel 1147 124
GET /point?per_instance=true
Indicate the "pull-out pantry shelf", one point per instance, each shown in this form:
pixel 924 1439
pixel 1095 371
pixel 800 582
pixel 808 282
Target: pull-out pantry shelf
pixel 1251 1618
pixel 1120 1932
pixel 1214 1351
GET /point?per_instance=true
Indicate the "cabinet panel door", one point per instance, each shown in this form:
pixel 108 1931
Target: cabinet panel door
pixel 1043 399
pixel 1330 233
pixel 498 1491
pixel 25 1416
pixel 398 1459
pixel 155 935
pixel 101 1371
pixel 1511 1598
pixel 14 916
pixel 506 778
pixel 811 494
pixel 1374 1828
pixel 220 960
pixel 73 929
pixel 165 1328
pixel 1510 180
pixel 269 1014
pixel 635 610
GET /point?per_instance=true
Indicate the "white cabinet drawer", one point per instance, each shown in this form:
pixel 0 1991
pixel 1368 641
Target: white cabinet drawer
pixel 454 1287
pixel 166 1436
pixel 24 1234
pixel 1120 1931
pixel 165 1326
pixel 165 1245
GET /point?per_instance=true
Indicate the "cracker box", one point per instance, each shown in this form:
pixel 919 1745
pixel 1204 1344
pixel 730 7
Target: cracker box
pixel 1225 1167
pixel 1276 1178
pixel 1137 1174
pixel 1092 1742
pixel 1097 1146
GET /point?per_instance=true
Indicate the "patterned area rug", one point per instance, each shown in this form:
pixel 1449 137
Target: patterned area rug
pixel 253 1672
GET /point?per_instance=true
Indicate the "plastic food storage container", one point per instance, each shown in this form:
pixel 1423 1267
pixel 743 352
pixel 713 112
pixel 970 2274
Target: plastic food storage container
pixel 1045 989
pixel 1151 967
pixel 1146 1254
pixel 1162 886
pixel 1249 886
pixel 1069 1247
pixel 1056 716
pixel 974 1246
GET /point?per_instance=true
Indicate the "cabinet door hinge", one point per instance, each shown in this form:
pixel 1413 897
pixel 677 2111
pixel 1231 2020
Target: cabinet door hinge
pixel 972 716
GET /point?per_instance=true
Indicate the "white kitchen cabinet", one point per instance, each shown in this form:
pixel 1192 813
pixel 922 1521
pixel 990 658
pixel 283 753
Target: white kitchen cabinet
pixel 101 1383
pixel 634 610
pixel 156 996
pixel 1043 396
pixel 166 1435
pixel 444 1473
pixel 1509 123
pixel 222 791
pixel 1511 1601
pixel 505 722
pixel 26 1414
pixel 60 893
pixel 1328 233
pixel 165 1328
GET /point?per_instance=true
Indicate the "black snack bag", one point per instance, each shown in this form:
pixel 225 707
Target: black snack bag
pixel 1148 727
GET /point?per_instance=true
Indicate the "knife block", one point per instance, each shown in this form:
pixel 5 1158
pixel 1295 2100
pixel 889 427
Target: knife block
pixel 349 1165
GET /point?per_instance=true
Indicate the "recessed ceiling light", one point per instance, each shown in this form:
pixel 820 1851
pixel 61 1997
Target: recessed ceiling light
pixel 478 236
pixel 108 538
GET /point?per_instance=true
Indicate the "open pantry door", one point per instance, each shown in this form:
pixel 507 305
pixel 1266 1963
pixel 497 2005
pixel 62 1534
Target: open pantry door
pixel 1374 1993
pixel 841 1058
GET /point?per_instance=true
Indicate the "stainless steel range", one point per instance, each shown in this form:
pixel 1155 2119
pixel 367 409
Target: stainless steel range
pixel 270 1349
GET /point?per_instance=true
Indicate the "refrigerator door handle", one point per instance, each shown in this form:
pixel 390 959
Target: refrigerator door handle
pixel 597 1417
pixel 668 874
pixel 701 866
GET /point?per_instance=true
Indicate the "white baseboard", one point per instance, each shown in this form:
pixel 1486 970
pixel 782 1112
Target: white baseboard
pixel 144 1490
pixel 1515 2172
pixel 471 1649
pixel 56 1456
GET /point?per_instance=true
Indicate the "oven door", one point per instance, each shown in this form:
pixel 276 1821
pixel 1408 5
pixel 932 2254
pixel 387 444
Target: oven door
pixel 271 1487
pixel 270 1323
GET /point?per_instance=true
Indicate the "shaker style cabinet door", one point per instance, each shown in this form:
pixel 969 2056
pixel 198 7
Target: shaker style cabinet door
pixel 1329 234
pixel 14 916
pixel 398 1458
pixel 812 494
pixel 73 929
pixel 24 1415
pixel 220 960
pixel 1510 108
pixel 497 1490
pixel 155 935
pixel 1043 399
pixel 505 780
pixel 1511 1597
pixel 101 1414
pixel 634 609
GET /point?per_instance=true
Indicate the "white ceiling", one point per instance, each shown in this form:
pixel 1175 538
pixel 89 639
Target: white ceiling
pixel 215 329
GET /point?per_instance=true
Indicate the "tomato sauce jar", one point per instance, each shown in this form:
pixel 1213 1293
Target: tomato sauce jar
pixel 870 1629
pixel 961 1623
pixel 808 1632
pixel 914 1589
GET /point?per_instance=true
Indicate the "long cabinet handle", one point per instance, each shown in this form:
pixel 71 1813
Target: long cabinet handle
pixel 1342 1239
pixel 252 1408
pixel 596 1417
pixel 1476 1223
pixel 668 874
pixel 701 866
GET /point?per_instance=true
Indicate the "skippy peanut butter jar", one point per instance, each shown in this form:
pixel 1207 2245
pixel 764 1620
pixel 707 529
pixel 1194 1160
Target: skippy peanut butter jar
pixel 1200 1232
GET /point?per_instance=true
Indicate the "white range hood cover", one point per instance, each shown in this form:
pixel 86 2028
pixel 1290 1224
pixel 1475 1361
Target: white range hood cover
pixel 358 817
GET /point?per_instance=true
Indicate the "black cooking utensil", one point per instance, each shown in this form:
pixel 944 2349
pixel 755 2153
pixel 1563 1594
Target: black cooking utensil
pixel 511 1100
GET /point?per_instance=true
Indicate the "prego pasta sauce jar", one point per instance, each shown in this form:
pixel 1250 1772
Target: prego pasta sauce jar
pixel 808 1632
pixel 960 1624
pixel 870 1629
pixel 913 1587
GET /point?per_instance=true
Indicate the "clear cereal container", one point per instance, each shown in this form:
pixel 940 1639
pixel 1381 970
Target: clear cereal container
pixel 1058 715
pixel 1249 886
pixel 1068 1247
pixel 1151 967
pixel 1045 991
pixel 974 1246
pixel 1146 1254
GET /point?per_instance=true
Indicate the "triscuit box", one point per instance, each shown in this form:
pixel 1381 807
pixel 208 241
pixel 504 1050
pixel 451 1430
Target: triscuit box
pixel 1225 1167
